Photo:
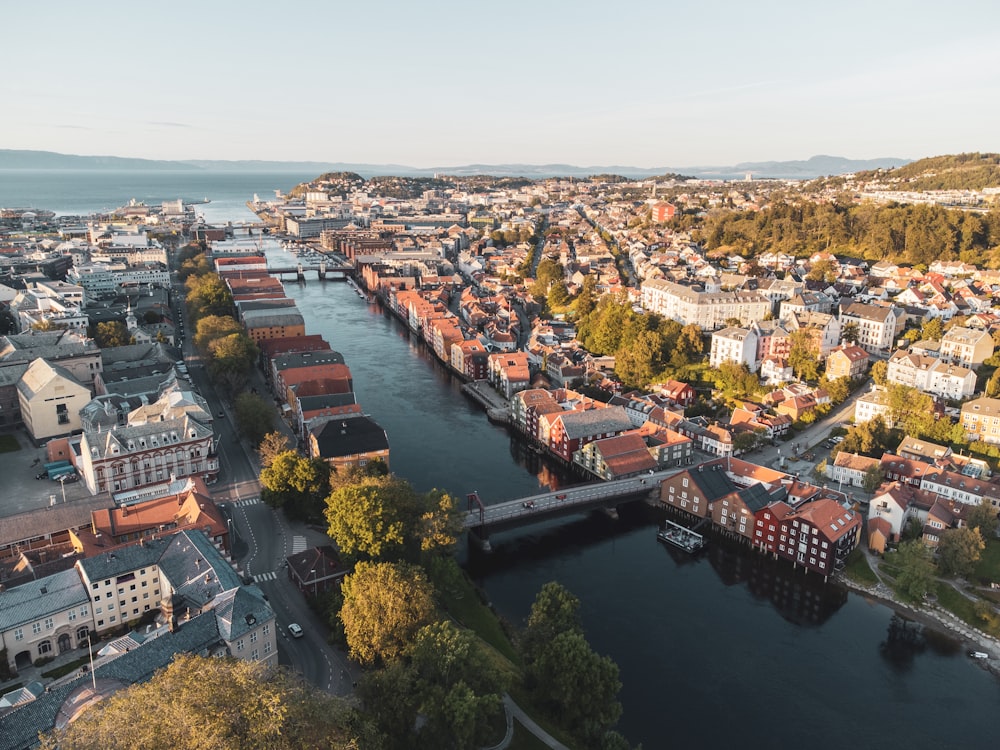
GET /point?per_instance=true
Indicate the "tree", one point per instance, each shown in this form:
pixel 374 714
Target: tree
pixel 873 477
pixel 959 551
pixel 838 389
pixel 224 704
pixel 208 295
pixel 441 523
pixel 577 685
pixel 803 356
pixel 879 372
pixel 233 359
pixel 849 333
pixel 458 686
pixel 213 327
pixel 270 446
pixel 745 441
pixel 295 483
pixel 984 518
pixel 916 569
pixel 932 330
pixel 254 415
pixel 371 518
pixel 385 604
pixel 555 610
pixel 110 334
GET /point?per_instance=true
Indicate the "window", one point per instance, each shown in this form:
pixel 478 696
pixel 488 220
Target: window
pixel 239 645
pixel 36 628
pixel 100 623
pixel 253 637
pixel 254 655
pixel 144 584
pixel 45 647
pixel 113 618
pixel 97 598
pixel 145 608
pixel 99 610
pixel 72 615
pixel 94 585
pixel 684 482
pixel 19 634
pixel 267 647
pixel 266 629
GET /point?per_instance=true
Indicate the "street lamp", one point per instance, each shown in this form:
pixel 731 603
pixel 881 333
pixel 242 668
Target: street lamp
pixel 62 483
pixel 312 574
pixel 90 650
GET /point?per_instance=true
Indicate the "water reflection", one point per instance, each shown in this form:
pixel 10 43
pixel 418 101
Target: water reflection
pixel 906 639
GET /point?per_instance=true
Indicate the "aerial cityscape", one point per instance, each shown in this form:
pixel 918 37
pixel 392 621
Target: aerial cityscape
pixel 795 377
pixel 385 375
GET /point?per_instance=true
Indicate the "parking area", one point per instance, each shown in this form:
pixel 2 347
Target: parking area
pixel 22 492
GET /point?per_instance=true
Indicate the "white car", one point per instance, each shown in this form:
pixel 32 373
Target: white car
pixel 295 629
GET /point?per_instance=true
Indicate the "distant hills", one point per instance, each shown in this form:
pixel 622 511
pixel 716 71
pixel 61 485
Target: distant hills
pixel 817 166
pixel 973 171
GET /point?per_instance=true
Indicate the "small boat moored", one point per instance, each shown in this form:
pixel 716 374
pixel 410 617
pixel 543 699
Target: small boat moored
pixel 677 535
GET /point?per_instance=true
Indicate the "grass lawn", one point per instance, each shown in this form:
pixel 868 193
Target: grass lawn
pixel 463 603
pixel 988 569
pixel 9 444
pixel 963 608
pixel 66 668
pixel 858 569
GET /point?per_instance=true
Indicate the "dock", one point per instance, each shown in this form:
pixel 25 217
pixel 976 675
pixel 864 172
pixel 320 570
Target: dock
pixel 496 406
pixel 679 536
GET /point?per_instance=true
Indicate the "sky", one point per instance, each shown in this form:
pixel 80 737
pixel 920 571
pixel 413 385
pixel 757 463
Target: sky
pixel 649 83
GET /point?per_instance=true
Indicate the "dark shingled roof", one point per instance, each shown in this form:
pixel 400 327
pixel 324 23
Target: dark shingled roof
pixel 348 437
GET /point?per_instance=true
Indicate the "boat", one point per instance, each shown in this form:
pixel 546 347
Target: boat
pixel 979 655
pixel 677 535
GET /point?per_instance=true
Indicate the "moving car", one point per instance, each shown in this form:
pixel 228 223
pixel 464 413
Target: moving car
pixel 295 629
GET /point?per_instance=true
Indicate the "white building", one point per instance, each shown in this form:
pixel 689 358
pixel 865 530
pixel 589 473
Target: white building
pixel 708 310
pixel 877 327
pixel 966 346
pixel 931 375
pixel 737 345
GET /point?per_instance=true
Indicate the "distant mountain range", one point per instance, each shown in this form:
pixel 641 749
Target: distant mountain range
pixel 817 166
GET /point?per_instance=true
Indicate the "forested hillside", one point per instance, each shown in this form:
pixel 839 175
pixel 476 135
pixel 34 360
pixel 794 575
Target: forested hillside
pixel 954 172
pixel 899 233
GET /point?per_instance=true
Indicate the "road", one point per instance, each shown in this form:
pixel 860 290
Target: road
pixel 815 433
pixel 262 537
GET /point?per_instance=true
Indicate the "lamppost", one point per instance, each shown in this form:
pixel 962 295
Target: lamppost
pixel 312 574
pixel 90 650
pixel 62 483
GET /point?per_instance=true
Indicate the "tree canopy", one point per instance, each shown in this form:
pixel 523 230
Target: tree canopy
pixel 220 704
pixel 385 604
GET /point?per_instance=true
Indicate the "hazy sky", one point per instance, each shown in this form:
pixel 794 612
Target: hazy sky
pixel 440 83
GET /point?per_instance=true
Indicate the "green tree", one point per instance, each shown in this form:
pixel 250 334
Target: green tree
pixel 870 438
pixel 745 441
pixel 110 334
pixel 555 610
pixel 233 359
pixel 586 300
pixel 254 416
pixel 385 605
pixel 295 483
pixel 838 389
pixel 223 704
pixel 459 687
pixel 372 518
pixel 208 295
pixel 578 685
pixel 916 569
pixel 803 356
pixel 984 518
pixel 441 522
pixel 873 477
pixel 850 333
pixel 959 551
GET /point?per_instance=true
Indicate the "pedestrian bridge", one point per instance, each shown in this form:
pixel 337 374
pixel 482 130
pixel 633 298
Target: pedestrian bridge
pixel 481 519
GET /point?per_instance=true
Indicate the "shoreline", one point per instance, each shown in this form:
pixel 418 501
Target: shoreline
pixel 935 619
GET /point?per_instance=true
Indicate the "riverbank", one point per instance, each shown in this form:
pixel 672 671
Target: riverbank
pixel 936 619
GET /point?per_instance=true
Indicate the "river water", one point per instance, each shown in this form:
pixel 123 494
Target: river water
pixel 716 649
pixel 723 649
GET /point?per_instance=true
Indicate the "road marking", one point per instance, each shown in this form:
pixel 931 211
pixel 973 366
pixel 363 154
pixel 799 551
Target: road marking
pixel 260 577
pixel 247 501
pixel 298 544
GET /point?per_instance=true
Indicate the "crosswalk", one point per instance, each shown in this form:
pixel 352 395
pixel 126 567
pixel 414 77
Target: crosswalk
pixel 247 501
pixel 298 544
pixel 261 577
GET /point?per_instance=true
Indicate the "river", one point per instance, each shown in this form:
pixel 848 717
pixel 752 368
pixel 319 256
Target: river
pixel 716 649
pixel 720 650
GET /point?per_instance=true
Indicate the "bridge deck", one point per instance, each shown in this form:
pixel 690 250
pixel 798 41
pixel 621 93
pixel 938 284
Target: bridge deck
pixel 527 510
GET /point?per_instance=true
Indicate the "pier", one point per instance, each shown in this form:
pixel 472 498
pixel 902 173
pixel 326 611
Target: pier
pixel 497 407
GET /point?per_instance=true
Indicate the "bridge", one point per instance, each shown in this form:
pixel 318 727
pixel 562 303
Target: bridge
pixel 481 519
pixel 323 269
